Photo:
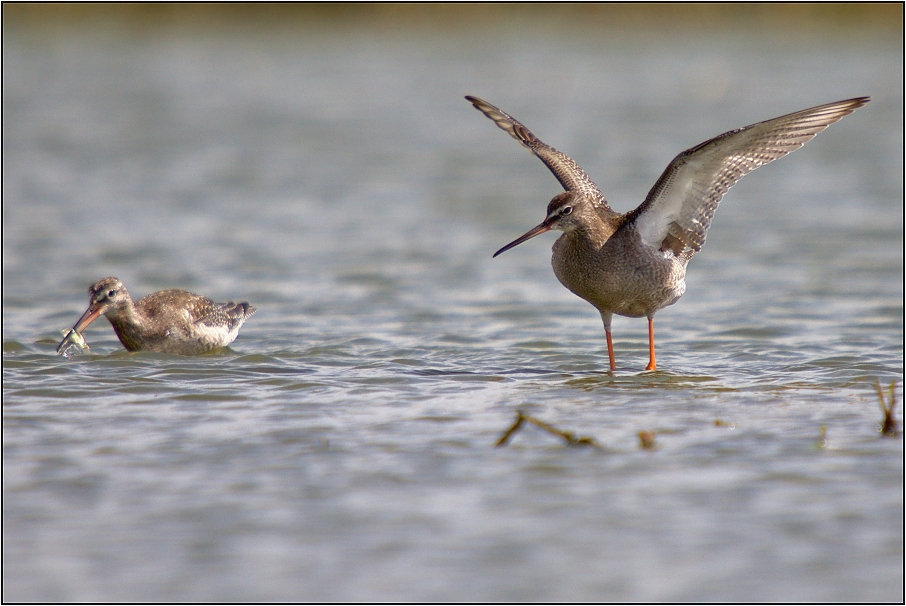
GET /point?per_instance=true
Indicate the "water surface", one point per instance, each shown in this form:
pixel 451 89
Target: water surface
pixel 342 448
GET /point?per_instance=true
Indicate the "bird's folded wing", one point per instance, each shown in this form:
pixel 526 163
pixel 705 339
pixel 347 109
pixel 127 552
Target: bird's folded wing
pixel 224 314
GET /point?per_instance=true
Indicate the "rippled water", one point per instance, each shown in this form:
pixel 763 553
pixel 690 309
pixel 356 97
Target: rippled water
pixel 342 449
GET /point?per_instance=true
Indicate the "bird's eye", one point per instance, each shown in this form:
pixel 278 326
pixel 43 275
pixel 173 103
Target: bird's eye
pixel 566 210
pixel 111 293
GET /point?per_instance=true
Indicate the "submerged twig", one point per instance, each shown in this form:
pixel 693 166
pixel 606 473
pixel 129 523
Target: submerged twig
pixel 889 423
pixel 570 438
pixel 506 435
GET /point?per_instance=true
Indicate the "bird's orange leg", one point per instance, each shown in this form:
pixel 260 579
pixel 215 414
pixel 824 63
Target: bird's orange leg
pixel 608 318
pixel 613 363
pixel 652 364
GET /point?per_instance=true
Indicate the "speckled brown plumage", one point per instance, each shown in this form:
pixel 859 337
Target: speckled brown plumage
pixel 634 264
pixel 169 321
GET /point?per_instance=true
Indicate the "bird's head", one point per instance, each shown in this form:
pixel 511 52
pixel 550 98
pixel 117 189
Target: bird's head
pixel 566 212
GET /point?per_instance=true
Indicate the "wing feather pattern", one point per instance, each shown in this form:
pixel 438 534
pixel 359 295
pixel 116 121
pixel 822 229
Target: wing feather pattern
pixel 678 210
pixel 567 172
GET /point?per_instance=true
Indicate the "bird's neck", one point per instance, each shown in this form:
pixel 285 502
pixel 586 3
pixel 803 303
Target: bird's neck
pixel 127 324
pixel 595 233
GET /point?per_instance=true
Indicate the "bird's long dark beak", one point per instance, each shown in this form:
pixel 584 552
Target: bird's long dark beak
pixel 91 314
pixel 526 236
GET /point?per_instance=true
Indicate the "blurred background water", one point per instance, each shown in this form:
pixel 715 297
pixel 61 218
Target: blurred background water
pixel 321 163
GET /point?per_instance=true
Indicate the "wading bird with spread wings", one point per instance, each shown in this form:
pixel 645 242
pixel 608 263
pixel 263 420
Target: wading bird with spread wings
pixel 634 264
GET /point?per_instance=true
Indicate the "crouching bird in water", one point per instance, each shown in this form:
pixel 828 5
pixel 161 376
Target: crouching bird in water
pixel 169 321
pixel 634 264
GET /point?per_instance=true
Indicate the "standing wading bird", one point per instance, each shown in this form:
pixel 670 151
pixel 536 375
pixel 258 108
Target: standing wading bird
pixel 169 321
pixel 634 264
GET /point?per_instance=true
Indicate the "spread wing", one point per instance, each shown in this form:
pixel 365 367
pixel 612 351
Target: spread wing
pixel 568 173
pixel 677 212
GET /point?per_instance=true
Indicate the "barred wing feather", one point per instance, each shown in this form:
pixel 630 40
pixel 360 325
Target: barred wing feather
pixel 568 173
pixel 678 210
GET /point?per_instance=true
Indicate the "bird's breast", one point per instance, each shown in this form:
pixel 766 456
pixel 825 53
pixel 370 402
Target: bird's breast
pixel 622 276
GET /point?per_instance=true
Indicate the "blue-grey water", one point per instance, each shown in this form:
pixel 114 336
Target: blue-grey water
pixel 342 448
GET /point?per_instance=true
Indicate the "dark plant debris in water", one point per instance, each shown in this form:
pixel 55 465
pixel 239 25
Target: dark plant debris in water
pixel 646 440
pixel 821 442
pixel 521 419
pixel 888 424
